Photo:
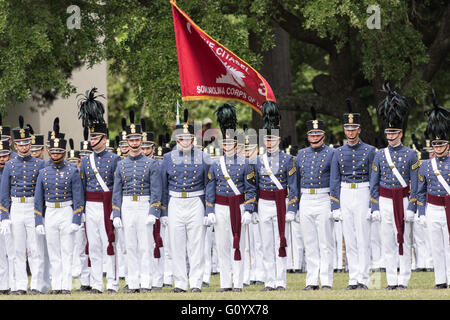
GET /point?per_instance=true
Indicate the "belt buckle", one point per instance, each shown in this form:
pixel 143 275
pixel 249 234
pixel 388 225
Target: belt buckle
pixel 312 191
pixel 135 198
pixel 353 185
pixel 184 194
pixel 22 199
pixel 57 204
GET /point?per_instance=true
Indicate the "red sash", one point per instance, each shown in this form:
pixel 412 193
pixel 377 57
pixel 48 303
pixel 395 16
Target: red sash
pixel 106 199
pixel 443 202
pixel 280 200
pixel 157 238
pixel 234 203
pixel 397 195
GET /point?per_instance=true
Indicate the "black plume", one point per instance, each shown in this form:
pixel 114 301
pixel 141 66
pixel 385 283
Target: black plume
pixel 90 110
pixel 30 128
pixel 349 105
pixel 71 144
pixel 20 122
pixel 117 140
pixel 1 119
pixel 394 107
pixel 438 121
pixel 131 116
pixel 160 140
pixel 124 124
pixel 55 124
pixel 86 133
pixel 185 115
pixel 167 138
pixel 271 115
pixel 143 125
pixel 313 113
pixel 226 117
pixel 245 127
pixel 415 141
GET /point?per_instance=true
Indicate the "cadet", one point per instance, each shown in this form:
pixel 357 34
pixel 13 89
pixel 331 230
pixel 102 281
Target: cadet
pixel 350 195
pixel 277 180
pixel 184 175
pixel 231 189
pixel 37 144
pixel 17 205
pixel 7 280
pixel 97 175
pixel 58 188
pixel 316 219
pixel 5 133
pixel 433 195
pixel 148 141
pixel 394 169
pixel 136 206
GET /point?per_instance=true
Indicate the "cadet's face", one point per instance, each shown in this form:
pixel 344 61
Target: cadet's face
pixel 38 153
pixel 145 151
pixel 352 135
pixel 3 159
pixel 272 145
pixel 229 148
pixel 316 140
pixel 134 143
pixel 250 153
pixel 185 144
pixel 98 143
pixel 394 138
pixel 57 156
pixel 23 149
pixel 441 150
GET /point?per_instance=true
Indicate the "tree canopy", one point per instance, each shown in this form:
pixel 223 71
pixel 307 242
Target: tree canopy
pixel 333 53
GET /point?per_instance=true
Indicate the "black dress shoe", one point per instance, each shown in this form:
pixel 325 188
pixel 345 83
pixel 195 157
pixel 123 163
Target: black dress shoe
pixel 280 288
pixel 95 291
pixel 361 286
pixel 19 292
pixel 391 288
pixel 258 283
pixel 430 269
pixel 326 288
pixel 310 287
pixel 84 288
pixel 352 287
pixel 156 288
pixel 252 283
pixel 290 270
pixel 382 269
pixel 111 291
pixel 245 285
pixel 224 290
pixel 146 290
pixel 66 292
pixel 268 289
pixel 441 286
pixel 166 285
pixel 5 291
pixel 34 292
pixel 177 290
pixel 401 287
pixel 205 284
pixel 195 290
pixel 237 290
pixel 55 292
pixel 125 287
pixel 131 291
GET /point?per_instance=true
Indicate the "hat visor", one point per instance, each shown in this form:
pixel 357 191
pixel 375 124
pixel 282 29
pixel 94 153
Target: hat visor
pixel 392 130
pixel 351 126
pixel 315 132
pixel 148 144
pixel 4 152
pixel 57 150
pixel 439 143
pixel 96 134
pixel 5 138
pixel 23 142
pixel 185 136
pixel 271 137
pixel 134 136
pixel 36 148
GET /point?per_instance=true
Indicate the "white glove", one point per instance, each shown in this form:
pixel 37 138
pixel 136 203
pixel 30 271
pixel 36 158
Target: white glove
pixel 164 220
pixel 5 227
pixel 211 219
pixel 151 220
pixel 290 216
pixel 409 216
pixel 74 228
pixel 376 216
pixel 337 216
pixel 40 229
pixel 255 218
pixel 117 223
pixel 246 218
pixel 369 215
pixel 423 221
pixel 205 221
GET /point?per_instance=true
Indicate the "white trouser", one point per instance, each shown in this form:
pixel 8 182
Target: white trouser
pixel 158 263
pixel 317 229
pixel 98 244
pixel 429 255
pixel 80 258
pixel 214 256
pixel 420 253
pixel 231 271
pixel 294 260
pixel 167 257
pixel 121 256
pixel 7 276
pixel 139 243
pixel 187 235
pixel 337 241
pixel 60 246
pixel 356 230
pixel 299 252
pixel 375 245
pixel 209 235
pixel 256 268
pixel 390 246
pixel 438 230
pixel 27 243
pixel 274 265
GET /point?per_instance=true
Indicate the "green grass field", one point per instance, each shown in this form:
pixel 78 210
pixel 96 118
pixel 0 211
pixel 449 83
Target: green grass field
pixel 420 287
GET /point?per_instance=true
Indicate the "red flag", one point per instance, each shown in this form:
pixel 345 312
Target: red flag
pixel 208 70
